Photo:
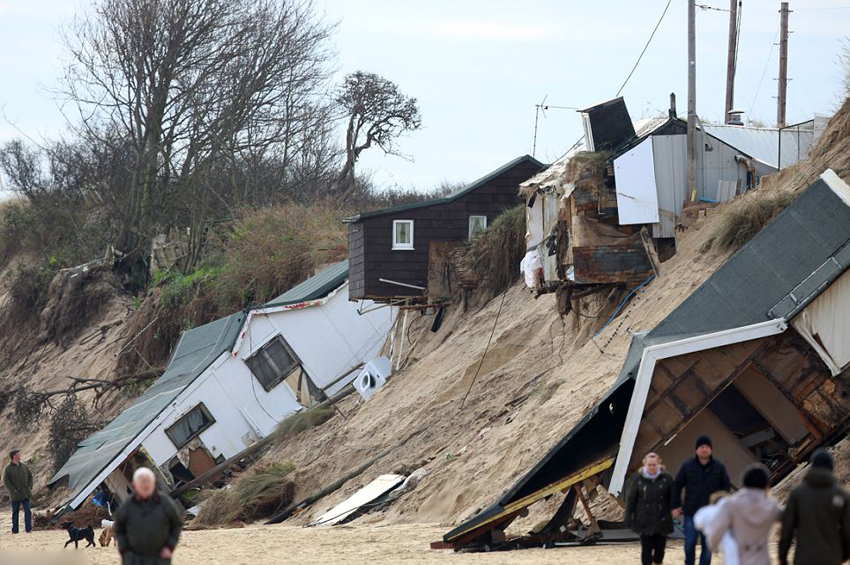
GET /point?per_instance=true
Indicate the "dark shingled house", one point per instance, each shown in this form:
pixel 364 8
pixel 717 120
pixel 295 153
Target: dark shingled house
pixel 394 244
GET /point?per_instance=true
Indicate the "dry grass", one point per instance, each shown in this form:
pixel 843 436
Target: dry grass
pixel 495 255
pixel 745 219
pixel 272 250
pixel 301 422
pixel 257 493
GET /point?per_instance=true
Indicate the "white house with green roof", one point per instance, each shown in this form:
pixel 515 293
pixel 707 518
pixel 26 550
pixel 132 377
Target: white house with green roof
pixel 229 384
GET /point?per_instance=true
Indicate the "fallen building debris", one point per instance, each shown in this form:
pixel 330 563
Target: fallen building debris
pixel 229 384
pixel 729 361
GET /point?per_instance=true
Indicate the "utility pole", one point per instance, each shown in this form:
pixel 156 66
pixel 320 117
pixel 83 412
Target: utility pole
pixel 692 100
pixel 731 58
pixel 783 65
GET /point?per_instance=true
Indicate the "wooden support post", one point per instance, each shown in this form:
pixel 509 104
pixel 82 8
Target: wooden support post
pixel 594 525
pixel 783 65
pixel 731 59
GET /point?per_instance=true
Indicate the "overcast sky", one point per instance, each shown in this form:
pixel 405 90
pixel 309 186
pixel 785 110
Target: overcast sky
pixel 479 67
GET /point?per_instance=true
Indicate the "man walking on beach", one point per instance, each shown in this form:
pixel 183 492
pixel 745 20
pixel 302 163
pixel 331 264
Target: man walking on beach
pixel 700 476
pixel 148 525
pixel 818 517
pixel 18 480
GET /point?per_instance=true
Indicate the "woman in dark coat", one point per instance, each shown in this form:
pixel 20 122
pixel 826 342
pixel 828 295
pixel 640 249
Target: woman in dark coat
pixel 648 512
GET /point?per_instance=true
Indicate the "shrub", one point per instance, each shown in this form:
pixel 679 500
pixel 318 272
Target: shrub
pixel 259 492
pixel 272 250
pixel 495 255
pixel 745 219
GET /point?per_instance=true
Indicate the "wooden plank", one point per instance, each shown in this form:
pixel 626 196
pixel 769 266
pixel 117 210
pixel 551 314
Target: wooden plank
pixel 515 507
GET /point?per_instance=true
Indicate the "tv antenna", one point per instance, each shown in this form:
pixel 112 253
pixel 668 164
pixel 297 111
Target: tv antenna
pixel 541 108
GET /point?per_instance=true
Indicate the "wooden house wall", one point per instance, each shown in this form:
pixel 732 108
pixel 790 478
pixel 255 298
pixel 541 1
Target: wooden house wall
pixel 371 256
pixel 685 385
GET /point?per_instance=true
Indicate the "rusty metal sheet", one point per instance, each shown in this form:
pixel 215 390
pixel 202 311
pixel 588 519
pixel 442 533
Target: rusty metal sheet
pixel 625 263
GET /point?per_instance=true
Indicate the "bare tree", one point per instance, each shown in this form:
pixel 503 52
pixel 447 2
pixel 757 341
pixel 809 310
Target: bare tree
pixel 378 113
pixel 198 89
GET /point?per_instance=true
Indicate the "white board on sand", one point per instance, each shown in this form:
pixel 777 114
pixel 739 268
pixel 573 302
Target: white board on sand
pixel 367 494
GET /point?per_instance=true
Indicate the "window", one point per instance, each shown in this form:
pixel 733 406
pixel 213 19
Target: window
pixel 190 426
pixel 273 363
pixel 477 224
pixel 402 234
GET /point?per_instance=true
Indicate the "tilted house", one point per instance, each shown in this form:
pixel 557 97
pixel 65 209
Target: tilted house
pixel 601 213
pixel 758 357
pixel 229 383
pixel 389 250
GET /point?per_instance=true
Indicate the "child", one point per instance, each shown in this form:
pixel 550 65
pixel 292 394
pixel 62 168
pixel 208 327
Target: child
pixel 704 520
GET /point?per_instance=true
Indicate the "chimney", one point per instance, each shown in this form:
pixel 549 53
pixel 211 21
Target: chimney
pixel 673 105
pixel 735 118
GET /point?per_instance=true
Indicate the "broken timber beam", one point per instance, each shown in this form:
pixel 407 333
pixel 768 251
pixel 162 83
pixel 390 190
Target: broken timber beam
pixel 512 509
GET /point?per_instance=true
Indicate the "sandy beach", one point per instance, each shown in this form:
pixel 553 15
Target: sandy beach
pixel 349 545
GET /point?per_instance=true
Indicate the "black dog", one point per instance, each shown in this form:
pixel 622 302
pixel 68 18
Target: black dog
pixel 78 535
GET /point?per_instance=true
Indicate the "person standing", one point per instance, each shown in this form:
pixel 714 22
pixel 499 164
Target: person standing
pixel 700 476
pixel 748 515
pixel 817 517
pixel 18 480
pixel 648 509
pixel 147 526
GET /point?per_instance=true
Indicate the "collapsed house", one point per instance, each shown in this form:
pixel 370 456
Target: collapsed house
pixel 757 357
pixel 395 251
pixel 607 211
pixel 229 384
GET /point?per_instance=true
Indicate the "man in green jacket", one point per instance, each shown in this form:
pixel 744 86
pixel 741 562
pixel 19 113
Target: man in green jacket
pixel 18 480
pixel 148 525
pixel 818 517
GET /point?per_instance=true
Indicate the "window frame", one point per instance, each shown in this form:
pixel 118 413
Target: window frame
pixel 469 221
pixel 282 375
pixel 203 408
pixel 402 246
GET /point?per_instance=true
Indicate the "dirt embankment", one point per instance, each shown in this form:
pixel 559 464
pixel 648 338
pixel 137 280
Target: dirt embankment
pixel 77 335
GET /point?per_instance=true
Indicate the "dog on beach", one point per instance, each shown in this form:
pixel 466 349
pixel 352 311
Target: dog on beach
pixel 77 535
pixel 107 538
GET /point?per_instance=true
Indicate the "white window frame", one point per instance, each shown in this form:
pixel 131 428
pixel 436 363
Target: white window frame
pixel 470 223
pixel 402 246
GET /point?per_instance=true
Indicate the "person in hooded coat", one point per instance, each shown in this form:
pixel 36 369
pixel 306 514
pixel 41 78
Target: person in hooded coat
pixel 749 514
pixel 648 511
pixel 818 517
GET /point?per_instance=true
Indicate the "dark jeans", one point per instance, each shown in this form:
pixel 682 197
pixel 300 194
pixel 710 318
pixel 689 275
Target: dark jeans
pixel 691 538
pixel 16 510
pixel 652 549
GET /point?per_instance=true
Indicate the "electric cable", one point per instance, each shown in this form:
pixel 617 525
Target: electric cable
pixel 645 47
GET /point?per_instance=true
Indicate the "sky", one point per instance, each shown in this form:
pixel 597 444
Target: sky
pixel 477 69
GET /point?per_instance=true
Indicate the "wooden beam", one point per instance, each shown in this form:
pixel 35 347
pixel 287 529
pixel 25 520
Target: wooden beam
pixel 559 486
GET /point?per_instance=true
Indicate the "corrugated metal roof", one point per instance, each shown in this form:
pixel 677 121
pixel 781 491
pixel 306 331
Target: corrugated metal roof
pixel 195 351
pixel 318 286
pixel 452 197
pixel 763 143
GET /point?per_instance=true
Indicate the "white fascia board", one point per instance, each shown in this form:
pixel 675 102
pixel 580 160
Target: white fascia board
pixel 143 435
pixel 276 309
pixel 838 186
pixel 655 353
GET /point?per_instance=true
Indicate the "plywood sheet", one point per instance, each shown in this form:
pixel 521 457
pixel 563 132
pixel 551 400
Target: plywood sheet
pixel 782 415
pixel 367 494
pixel 637 196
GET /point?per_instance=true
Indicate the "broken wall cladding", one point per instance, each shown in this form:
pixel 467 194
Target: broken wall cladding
pixel 627 263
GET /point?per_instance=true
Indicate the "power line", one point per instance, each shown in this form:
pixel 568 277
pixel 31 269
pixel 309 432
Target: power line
pixel 706 7
pixel 645 47
pixel 822 9
pixel 766 64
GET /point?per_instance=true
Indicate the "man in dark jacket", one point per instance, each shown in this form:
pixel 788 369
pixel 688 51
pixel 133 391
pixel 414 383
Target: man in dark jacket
pixel 18 480
pixel 700 476
pixel 148 525
pixel 818 517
